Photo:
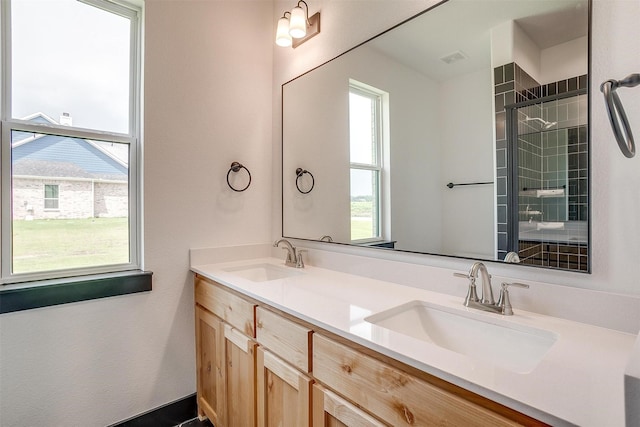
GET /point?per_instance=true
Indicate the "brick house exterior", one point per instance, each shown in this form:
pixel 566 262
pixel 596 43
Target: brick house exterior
pixel 58 177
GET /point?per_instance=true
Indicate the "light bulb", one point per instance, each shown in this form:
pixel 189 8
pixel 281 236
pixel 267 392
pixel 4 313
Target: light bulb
pixel 282 32
pixel 298 23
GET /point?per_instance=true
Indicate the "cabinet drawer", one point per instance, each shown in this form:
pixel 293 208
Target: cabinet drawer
pixel 287 339
pixel 233 309
pixel 330 409
pixel 391 394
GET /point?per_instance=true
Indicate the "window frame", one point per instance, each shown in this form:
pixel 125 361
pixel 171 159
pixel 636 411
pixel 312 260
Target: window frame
pixel 132 138
pixel 48 199
pixel 377 165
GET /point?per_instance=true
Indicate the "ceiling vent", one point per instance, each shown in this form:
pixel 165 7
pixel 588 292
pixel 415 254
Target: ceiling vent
pixel 453 57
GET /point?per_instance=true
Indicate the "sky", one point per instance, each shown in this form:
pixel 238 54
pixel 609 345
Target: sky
pixel 360 142
pixel 70 57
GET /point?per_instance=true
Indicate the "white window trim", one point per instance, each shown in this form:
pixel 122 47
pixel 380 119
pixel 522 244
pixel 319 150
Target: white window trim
pixel 377 166
pixel 133 139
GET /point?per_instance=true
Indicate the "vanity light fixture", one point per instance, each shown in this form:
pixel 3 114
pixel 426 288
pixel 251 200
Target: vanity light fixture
pixel 283 38
pixel 295 27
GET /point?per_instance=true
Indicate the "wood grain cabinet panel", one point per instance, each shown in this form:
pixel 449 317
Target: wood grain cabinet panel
pixel 287 339
pixel 231 308
pixel 283 395
pixel 330 410
pixel 393 396
pixel 225 356
pixel 209 366
pixel 240 379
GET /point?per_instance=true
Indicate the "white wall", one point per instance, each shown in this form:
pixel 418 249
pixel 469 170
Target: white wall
pixel 468 153
pixel 526 53
pixel 511 44
pixel 564 60
pixel 208 103
pixel 615 179
pixel 318 140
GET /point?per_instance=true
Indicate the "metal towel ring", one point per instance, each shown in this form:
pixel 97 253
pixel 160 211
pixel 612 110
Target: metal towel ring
pixel 235 167
pixel 299 173
pixel 617 114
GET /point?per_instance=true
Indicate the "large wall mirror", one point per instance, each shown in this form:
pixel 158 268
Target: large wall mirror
pixel 461 132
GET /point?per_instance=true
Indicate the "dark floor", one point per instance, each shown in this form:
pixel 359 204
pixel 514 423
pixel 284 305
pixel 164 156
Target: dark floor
pixel 195 423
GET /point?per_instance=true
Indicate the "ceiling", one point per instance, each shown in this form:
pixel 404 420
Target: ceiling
pixel 468 24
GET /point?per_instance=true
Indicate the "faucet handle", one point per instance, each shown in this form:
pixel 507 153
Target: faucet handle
pixel 462 275
pixel 504 302
pixel 299 260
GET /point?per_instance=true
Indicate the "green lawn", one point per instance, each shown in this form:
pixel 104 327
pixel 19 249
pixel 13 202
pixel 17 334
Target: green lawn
pixel 361 209
pixel 361 228
pixel 361 220
pixel 42 245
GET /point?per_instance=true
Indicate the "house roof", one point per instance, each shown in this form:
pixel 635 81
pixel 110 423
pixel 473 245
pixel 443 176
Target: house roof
pixel 34 167
pixel 62 156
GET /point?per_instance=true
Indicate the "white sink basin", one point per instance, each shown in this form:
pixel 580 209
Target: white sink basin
pixel 489 338
pixel 263 272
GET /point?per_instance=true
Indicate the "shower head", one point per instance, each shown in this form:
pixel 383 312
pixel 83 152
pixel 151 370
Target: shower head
pixel 545 124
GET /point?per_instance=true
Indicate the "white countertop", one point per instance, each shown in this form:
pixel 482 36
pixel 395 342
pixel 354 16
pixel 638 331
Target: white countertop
pixel 578 381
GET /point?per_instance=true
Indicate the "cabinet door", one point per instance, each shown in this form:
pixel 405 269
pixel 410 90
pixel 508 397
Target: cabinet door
pixel 239 354
pixel 392 395
pixel 209 366
pixel 330 410
pixel 283 393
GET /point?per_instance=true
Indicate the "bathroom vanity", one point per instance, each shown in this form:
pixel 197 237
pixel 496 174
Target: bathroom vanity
pixel 280 345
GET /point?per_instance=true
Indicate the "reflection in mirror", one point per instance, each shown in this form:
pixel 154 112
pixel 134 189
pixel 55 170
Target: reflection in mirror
pixel 550 147
pixel 457 95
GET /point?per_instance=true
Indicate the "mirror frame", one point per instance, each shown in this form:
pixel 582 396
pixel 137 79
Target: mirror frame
pixel 510 183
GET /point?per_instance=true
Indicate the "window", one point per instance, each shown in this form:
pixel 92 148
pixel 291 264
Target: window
pixel 50 197
pixel 365 129
pixel 70 133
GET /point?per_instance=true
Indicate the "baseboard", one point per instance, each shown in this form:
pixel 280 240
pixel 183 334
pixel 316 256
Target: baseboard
pixel 169 415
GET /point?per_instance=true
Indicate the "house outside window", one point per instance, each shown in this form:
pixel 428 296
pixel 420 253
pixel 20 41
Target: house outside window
pixel 365 128
pixel 51 192
pixel 70 132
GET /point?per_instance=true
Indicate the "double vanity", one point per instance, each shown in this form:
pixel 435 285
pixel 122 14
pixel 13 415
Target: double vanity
pixel 362 351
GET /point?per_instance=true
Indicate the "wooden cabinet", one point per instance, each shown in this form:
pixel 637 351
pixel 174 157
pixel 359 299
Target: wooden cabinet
pixel 330 410
pixel 284 358
pixel 294 374
pixel 234 310
pixel 225 356
pixel 392 395
pixel 209 366
pixel 240 377
pixel 284 393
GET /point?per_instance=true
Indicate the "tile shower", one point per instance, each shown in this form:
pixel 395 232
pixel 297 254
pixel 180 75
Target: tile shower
pixel 549 157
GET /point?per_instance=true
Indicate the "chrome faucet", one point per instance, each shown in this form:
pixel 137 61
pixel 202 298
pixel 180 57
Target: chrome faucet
pixel 512 257
pixel 487 292
pixel 294 256
pixel 486 302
